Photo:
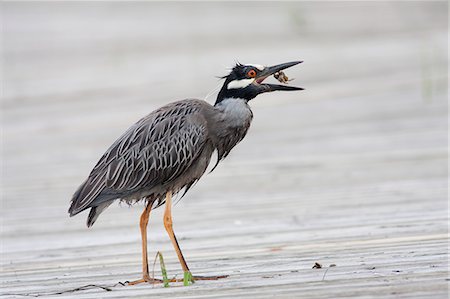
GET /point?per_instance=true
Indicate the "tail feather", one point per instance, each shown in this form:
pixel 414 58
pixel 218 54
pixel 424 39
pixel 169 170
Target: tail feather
pixel 72 209
pixel 86 194
pixel 96 211
pixel 90 195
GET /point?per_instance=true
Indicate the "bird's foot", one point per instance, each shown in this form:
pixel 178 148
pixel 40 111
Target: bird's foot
pixel 144 279
pixel 189 278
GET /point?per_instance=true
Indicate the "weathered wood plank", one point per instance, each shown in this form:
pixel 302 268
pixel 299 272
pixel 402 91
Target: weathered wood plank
pixel 351 172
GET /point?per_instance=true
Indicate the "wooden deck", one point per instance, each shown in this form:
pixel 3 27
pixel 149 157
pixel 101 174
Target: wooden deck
pixel 352 172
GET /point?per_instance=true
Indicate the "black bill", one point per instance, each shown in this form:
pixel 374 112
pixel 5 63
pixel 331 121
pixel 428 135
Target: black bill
pixel 269 71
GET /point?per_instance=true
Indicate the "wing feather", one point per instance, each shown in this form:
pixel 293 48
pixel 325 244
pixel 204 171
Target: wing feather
pixel 155 150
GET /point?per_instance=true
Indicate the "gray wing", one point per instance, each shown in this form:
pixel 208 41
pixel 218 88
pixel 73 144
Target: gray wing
pixel 155 150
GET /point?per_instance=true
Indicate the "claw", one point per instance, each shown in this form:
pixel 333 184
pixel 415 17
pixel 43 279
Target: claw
pixel 144 279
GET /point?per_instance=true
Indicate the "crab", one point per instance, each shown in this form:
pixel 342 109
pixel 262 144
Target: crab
pixel 281 77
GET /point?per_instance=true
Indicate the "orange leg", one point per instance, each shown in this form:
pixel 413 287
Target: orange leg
pixel 169 228
pixel 143 225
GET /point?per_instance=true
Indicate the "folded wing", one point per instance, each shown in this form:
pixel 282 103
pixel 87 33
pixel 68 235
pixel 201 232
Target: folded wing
pixel 155 150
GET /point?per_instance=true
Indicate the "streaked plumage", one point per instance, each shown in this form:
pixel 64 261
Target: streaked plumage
pixel 170 149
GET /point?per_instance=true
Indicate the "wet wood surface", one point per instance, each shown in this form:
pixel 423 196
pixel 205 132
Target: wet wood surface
pixel 350 173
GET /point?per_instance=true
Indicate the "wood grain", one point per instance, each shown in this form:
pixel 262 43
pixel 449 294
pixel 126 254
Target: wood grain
pixel 350 172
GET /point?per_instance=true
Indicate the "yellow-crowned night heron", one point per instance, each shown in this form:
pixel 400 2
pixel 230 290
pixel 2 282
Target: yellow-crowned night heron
pixel 169 150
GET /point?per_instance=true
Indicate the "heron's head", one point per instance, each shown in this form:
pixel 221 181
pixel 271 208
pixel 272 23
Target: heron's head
pixel 245 81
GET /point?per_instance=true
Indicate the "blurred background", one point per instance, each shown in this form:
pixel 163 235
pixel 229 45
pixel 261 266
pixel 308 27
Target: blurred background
pixel 351 171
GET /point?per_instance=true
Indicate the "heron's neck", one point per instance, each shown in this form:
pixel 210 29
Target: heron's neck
pixel 236 112
pixel 232 120
pixel 223 93
pixel 242 90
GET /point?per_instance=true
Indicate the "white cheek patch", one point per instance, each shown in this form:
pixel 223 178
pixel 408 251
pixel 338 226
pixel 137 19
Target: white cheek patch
pixel 240 83
pixel 258 66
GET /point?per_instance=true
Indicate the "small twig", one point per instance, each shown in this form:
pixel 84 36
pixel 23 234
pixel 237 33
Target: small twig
pixel 323 278
pixel 121 283
pixel 82 288
pixel 153 268
pixel 89 286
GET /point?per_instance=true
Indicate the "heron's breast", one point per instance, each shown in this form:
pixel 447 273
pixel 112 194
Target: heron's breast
pixel 236 113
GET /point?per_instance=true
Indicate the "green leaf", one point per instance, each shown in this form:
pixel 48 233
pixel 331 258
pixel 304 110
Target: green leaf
pixel 163 270
pixel 187 279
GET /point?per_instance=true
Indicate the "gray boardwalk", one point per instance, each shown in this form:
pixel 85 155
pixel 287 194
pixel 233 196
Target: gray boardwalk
pixel 351 173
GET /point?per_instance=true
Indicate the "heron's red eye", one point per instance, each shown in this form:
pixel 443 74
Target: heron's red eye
pixel 251 73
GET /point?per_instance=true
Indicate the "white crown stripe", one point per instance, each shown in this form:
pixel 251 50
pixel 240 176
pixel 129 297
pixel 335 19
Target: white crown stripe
pixel 258 66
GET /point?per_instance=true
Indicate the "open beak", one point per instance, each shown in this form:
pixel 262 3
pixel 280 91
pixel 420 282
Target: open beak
pixel 269 71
